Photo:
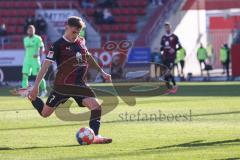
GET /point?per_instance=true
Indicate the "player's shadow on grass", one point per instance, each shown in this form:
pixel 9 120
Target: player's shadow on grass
pixel 235 158
pixel 40 147
pixel 199 143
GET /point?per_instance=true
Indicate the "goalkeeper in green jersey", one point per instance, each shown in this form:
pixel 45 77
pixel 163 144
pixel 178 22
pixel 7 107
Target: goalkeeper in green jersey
pixel 34 47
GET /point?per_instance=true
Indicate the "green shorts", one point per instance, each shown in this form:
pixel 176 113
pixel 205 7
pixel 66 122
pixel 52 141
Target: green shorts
pixel 31 68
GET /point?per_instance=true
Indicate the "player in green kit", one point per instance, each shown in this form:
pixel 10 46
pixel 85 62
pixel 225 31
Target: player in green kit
pixel 34 47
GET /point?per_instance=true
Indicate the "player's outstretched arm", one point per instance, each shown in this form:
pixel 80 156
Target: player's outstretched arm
pixel 33 94
pixel 93 62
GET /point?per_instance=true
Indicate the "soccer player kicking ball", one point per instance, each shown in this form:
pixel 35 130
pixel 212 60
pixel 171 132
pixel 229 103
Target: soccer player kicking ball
pixel 73 59
pixel 34 47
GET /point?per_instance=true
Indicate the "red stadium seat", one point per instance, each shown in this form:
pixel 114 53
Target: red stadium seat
pixel 125 3
pixel 14 5
pixel 104 37
pixel 125 11
pixel 7 46
pixel 47 5
pixel 2 20
pixel 76 5
pixel 32 4
pixel 124 28
pixel 21 12
pixel 134 11
pixel 11 29
pixel 143 3
pixel 132 28
pixel 19 45
pixel 13 46
pixel 20 20
pixel 116 11
pixel 64 4
pixel 89 11
pixel 17 21
pixel 141 11
pixel 113 37
pixel 122 36
pixel 4 4
pixel 117 37
pixel 104 28
pixel 135 3
pixel 30 13
pixel 11 21
pixel 122 19
pixel 115 28
pixel 9 4
pixel 16 38
pixel 4 12
pixel 19 30
pixel 23 4
pixel 133 19
pixel 103 43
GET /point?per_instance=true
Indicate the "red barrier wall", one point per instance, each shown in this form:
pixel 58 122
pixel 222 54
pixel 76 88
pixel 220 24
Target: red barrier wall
pixel 235 60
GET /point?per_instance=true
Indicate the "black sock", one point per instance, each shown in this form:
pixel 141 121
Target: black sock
pixel 173 80
pixel 168 85
pixel 95 117
pixel 38 105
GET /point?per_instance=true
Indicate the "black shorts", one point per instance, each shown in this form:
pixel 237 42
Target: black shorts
pixel 169 64
pixel 60 94
pixel 182 63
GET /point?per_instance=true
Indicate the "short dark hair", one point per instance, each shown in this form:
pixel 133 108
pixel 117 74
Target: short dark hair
pixel 75 21
pixel 168 24
pixel 31 26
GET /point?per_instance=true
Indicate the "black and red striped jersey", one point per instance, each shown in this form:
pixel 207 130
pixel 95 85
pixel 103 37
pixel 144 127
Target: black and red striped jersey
pixel 71 59
pixel 169 45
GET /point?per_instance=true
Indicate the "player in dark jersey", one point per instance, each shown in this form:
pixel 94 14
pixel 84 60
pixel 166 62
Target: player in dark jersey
pixel 169 46
pixel 73 60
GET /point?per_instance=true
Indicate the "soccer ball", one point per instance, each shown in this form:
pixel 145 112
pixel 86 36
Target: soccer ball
pixel 85 136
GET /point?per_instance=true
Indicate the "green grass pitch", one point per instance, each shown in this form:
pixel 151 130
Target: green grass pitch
pixel 202 122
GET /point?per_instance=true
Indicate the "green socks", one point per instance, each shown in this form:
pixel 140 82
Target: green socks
pixel 24 81
pixel 43 86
